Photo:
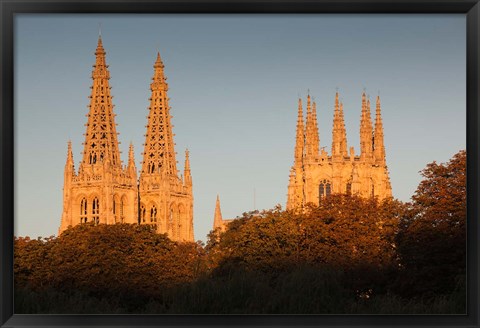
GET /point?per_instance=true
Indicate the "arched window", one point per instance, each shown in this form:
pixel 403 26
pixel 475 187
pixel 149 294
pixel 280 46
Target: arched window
pixel 324 189
pixel 83 211
pixel 143 212
pixel 122 210
pixel 171 224
pixel 349 188
pixel 373 190
pixel 96 210
pixel 153 214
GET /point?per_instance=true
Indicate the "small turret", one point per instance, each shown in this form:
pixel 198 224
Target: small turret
pixel 366 130
pixel 311 132
pixel 69 165
pixel 132 169
pixel 316 137
pixel 186 173
pixel 217 219
pixel 300 138
pixel 379 147
pixel 339 134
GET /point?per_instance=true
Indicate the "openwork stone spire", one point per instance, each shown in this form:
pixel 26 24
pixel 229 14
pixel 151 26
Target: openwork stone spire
pixel 165 200
pixel 159 153
pixel 103 191
pixel 101 144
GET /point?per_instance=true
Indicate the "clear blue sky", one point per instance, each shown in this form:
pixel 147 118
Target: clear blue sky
pixel 234 83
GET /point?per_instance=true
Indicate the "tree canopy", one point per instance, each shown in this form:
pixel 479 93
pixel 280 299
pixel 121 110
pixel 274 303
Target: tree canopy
pixel 347 254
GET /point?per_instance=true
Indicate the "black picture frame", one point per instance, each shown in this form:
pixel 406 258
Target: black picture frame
pixel 8 9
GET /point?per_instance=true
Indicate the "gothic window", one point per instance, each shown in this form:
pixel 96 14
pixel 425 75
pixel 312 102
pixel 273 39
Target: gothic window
pixel 143 212
pixel 153 214
pixel 325 189
pixel 115 210
pixel 349 188
pixel 83 211
pixel 170 220
pixel 122 209
pixel 328 189
pixel 96 210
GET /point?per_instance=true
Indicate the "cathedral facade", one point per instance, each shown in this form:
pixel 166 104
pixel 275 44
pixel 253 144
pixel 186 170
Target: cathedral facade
pixel 104 191
pixel 316 174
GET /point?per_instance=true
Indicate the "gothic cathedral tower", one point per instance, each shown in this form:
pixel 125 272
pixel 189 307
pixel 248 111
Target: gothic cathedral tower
pixel 316 174
pixel 106 192
pixel 103 190
pixel 166 200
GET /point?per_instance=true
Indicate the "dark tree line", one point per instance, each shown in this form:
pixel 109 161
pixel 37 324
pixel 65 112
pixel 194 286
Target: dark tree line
pixel 347 255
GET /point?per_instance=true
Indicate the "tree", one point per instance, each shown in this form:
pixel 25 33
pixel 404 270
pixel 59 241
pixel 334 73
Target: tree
pixel 121 261
pixel 431 241
pixel 345 233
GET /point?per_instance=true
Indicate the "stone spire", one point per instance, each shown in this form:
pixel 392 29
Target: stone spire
pixel 101 144
pixel 300 138
pixel 379 147
pixel 339 134
pixel 217 219
pixel 343 146
pixel 316 137
pixel 69 165
pixel 186 172
pixel 159 153
pixel 132 169
pixel 366 130
pixel 311 132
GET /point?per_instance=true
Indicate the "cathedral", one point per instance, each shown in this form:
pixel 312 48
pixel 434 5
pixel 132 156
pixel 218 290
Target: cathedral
pixel 104 191
pixel 316 174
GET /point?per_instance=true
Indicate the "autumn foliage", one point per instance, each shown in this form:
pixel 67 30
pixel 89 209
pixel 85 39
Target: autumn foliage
pixel 431 240
pixel 347 255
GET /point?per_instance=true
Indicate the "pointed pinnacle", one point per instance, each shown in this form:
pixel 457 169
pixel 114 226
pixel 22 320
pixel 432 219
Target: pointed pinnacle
pixel 187 160
pixel 378 109
pixel 158 61
pixel 100 43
